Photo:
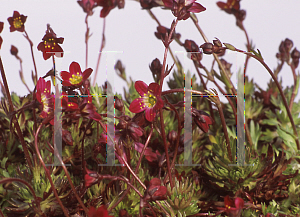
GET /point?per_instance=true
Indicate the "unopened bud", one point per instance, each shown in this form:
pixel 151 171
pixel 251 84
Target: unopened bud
pixel 172 137
pixel 207 48
pixel 14 50
pixel 288 44
pixel 86 84
pixel 226 65
pixel 118 103
pixel 217 42
pixel 121 4
pixel 295 57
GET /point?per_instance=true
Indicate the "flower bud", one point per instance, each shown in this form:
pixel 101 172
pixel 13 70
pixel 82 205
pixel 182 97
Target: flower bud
pixel 207 48
pixel 172 137
pixel 118 104
pixel 14 50
pixel 295 57
pixel 155 67
pixel 191 46
pixel 120 70
pixel 226 65
pixel 123 213
pixel 121 125
pixel 121 4
pixel 288 44
pixel 217 42
pixel 148 4
pixel 86 84
pixel 90 177
pixel 240 15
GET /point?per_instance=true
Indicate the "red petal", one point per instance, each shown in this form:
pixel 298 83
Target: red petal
pixel 16 14
pixel 150 114
pixel 46 55
pixel 59 40
pixel 105 11
pixel 141 87
pixel 86 74
pixel 40 47
pixel 1 26
pixel 12 28
pixel 222 5
pixel 239 203
pixel 207 119
pixel 65 75
pixel 159 103
pixel 154 88
pixel 10 21
pixel 196 8
pixel 1 40
pixel 154 182
pixel 74 68
pixel 66 83
pixel 137 106
pixel 228 201
pixel 168 3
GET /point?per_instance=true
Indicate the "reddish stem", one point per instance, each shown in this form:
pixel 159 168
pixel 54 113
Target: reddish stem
pixel 294 88
pixel 31 45
pixel 167 42
pixel 86 41
pixel 100 52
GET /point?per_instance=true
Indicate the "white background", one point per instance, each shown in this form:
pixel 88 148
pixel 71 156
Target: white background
pixel 131 30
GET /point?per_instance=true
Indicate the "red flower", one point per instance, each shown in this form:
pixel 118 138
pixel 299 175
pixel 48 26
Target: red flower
pixel 44 97
pixel 90 177
pixel 233 208
pixel 182 8
pixel 149 154
pixel 149 99
pixel 155 191
pixel 108 5
pixel 1 28
pixel 100 212
pixel 202 119
pixel 87 6
pixel 75 77
pixel 50 45
pixel 17 22
pixel 66 105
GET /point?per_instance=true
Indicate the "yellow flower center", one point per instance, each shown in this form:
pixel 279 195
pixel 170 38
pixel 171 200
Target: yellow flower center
pixel 49 43
pixel 149 100
pixel 76 79
pixel 17 23
pixel 46 107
